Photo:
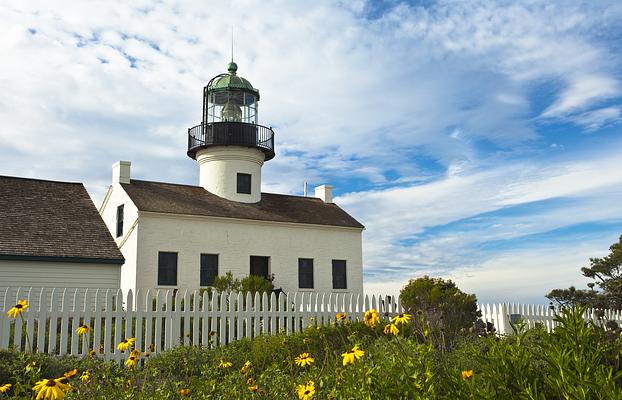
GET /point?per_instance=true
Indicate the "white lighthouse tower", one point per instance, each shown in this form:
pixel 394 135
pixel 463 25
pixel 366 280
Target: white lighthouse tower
pixel 229 145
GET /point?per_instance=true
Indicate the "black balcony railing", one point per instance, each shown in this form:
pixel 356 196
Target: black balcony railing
pixel 231 134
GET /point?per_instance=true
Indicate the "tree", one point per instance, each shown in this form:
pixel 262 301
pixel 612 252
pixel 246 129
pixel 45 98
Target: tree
pixel 441 306
pixel 607 274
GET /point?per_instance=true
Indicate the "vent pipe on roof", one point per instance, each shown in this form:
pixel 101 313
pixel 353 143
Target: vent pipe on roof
pixel 305 189
pixel 325 193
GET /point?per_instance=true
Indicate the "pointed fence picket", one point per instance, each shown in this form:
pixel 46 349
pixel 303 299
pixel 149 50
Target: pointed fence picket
pixel 161 320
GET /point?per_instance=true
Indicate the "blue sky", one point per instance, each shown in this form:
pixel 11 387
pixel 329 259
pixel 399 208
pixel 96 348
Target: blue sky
pixel 477 141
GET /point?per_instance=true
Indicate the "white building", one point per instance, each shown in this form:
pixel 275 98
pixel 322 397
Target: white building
pixel 181 236
pixel 51 236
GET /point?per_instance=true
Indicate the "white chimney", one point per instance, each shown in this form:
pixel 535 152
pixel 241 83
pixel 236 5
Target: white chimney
pixel 121 172
pixel 325 193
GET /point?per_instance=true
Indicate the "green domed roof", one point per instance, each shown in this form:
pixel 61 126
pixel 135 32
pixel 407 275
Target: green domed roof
pixel 232 81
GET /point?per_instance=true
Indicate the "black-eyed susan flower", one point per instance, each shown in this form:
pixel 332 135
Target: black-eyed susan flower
pixel 352 355
pixel 340 316
pixel 253 388
pixel 225 364
pixel 304 359
pixel 401 319
pixel 83 329
pixel 5 388
pixel 250 381
pixel 86 376
pixel 135 352
pixel 91 353
pixel 101 349
pixel 131 362
pixel 245 367
pixel 306 391
pixel 391 328
pixel 184 392
pixel 371 318
pixel 147 354
pixel 70 374
pixel 467 374
pixel 125 344
pixel 306 340
pixel 50 389
pixel 18 308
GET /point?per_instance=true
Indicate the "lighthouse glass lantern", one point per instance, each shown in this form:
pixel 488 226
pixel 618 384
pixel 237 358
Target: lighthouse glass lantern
pixel 230 98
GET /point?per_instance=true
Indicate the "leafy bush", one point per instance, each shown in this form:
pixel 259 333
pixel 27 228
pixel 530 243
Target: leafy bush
pixel 444 308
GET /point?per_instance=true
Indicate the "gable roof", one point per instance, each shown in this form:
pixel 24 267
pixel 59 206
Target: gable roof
pixel 52 221
pixel 195 200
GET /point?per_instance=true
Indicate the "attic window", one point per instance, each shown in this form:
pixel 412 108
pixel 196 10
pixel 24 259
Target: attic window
pixel 120 220
pixel 244 183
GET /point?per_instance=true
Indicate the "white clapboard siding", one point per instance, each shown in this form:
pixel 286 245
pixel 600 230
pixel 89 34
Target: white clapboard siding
pixel 164 319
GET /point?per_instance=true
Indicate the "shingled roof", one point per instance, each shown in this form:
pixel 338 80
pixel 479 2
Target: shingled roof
pixel 52 221
pixel 195 200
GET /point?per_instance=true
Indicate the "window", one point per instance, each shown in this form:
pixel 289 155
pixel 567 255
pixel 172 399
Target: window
pixel 120 220
pixel 339 274
pixel 244 183
pixel 305 273
pixel 167 268
pixel 209 269
pixel 259 266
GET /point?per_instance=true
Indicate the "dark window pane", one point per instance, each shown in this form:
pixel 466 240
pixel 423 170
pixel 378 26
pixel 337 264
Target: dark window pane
pixel 244 183
pixel 209 269
pixel 167 268
pixel 259 266
pixel 305 273
pixel 120 220
pixel 339 274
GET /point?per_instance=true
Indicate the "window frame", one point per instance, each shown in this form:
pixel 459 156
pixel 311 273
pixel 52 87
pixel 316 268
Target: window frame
pixel 300 275
pixel 239 183
pixel 201 257
pixel 345 274
pixel 160 254
pixel 120 218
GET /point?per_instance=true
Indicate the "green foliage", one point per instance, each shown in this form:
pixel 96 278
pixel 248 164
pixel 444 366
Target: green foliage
pixel 607 274
pixel 579 360
pixel 444 308
pixel 250 284
pixel 256 284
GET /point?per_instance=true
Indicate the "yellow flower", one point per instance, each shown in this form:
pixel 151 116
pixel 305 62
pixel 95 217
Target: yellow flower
pixel 5 388
pixel 253 388
pixel 224 364
pixel 184 392
pixel 86 376
pixel 83 329
pixel 304 359
pixel 401 319
pixel 131 362
pixel 371 318
pixel 152 347
pixel 246 367
pixel 71 374
pixel 306 341
pixel 135 352
pixel 391 328
pixel 340 316
pixel 467 374
pixel 18 308
pixel 250 381
pixel 101 349
pixel 50 389
pixel 125 344
pixel 352 355
pixel 306 391
pixel 147 354
pixel 91 353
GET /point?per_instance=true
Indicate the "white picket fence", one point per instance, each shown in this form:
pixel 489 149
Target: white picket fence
pixel 164 320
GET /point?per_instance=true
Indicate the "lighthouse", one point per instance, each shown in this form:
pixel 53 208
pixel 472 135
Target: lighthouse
pixel 229 145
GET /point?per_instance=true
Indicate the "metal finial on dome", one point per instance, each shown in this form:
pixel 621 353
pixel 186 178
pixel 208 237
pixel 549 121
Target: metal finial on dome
pixel 232 67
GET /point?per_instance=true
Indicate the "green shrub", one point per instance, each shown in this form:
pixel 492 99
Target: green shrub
pixel 441 307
